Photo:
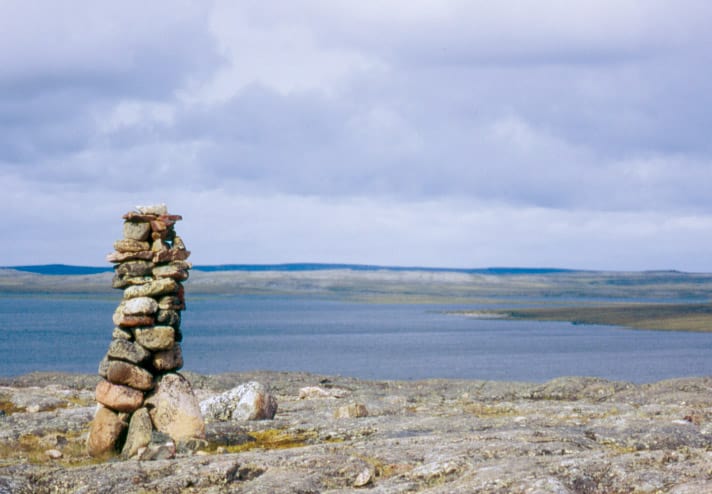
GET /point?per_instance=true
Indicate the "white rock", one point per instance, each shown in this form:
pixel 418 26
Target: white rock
pixel 311 392
pixel 54 454
pixel 249 401
pixel 140 306
pixel 153 209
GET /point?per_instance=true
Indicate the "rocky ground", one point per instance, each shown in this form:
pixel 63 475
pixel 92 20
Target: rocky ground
pixel 333 434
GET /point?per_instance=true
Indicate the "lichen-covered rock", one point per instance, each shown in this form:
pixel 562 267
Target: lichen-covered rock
pixel 161 286
pixel 135 230
pixel 155 338
pixel 139 433
pixel 168 360
pixel 121 349
pixel 249 401
pixel 174 409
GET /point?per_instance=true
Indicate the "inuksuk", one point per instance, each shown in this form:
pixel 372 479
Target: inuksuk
pixel 140 390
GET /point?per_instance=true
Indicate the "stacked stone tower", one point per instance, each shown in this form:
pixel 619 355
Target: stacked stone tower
pixel 140 387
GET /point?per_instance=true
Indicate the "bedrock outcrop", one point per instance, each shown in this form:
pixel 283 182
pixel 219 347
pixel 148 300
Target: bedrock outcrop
pixel 569 435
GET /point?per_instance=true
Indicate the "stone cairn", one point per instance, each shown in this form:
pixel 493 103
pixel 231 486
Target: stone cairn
pixel 141 391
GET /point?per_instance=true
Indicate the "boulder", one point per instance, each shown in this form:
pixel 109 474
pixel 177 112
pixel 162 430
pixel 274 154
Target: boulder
pixel 139 433
pixel 118 397
pixel 249 401
pixel 104 432
pixel 174 409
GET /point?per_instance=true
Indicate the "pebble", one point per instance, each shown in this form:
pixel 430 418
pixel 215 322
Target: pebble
pixel 54 454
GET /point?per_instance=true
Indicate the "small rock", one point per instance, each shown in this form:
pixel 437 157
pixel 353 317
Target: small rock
pixel 174 409
pixel 157 209
pixel 53 454
pixel 134 268
pixel 165 451
pixel 310 392
pixel 168 318
pixel 354 410
pixel 250 401
pixel 363 478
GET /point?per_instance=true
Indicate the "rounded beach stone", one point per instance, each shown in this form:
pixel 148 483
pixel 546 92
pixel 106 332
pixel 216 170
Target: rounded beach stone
pixel 120 372
pixel 104 432
pixel 155 338
pixel 139 306
pixel 128 351
pixel 139 433
pixel 118 397
pixel 162 286
pixel 134 230
pixel 174 409
pixel 169 359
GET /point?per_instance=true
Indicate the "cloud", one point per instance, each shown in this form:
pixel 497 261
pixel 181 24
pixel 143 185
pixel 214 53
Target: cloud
pixel 433 125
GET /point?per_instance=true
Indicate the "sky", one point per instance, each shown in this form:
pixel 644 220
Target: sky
pixel 441 133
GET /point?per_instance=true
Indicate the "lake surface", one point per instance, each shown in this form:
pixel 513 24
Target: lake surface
pixel 372 341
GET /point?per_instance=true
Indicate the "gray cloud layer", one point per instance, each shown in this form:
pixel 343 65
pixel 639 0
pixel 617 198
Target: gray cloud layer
pixel 424 125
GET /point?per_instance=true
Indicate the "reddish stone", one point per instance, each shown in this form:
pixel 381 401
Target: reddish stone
pixel 134 216
pixel 129 321
pixel 118 397
pixel 104 432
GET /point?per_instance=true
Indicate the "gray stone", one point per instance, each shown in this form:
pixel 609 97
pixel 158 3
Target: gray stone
pixel 155 338
pixel 162 286
pixel 134 268
pixel 168 360
pixel 128 351
pixel 135 230
pixel 139 433
pixel 170 271
pixel 167 317
pixel 249 401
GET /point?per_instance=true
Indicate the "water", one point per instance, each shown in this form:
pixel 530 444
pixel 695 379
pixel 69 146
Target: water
pixel 373 341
